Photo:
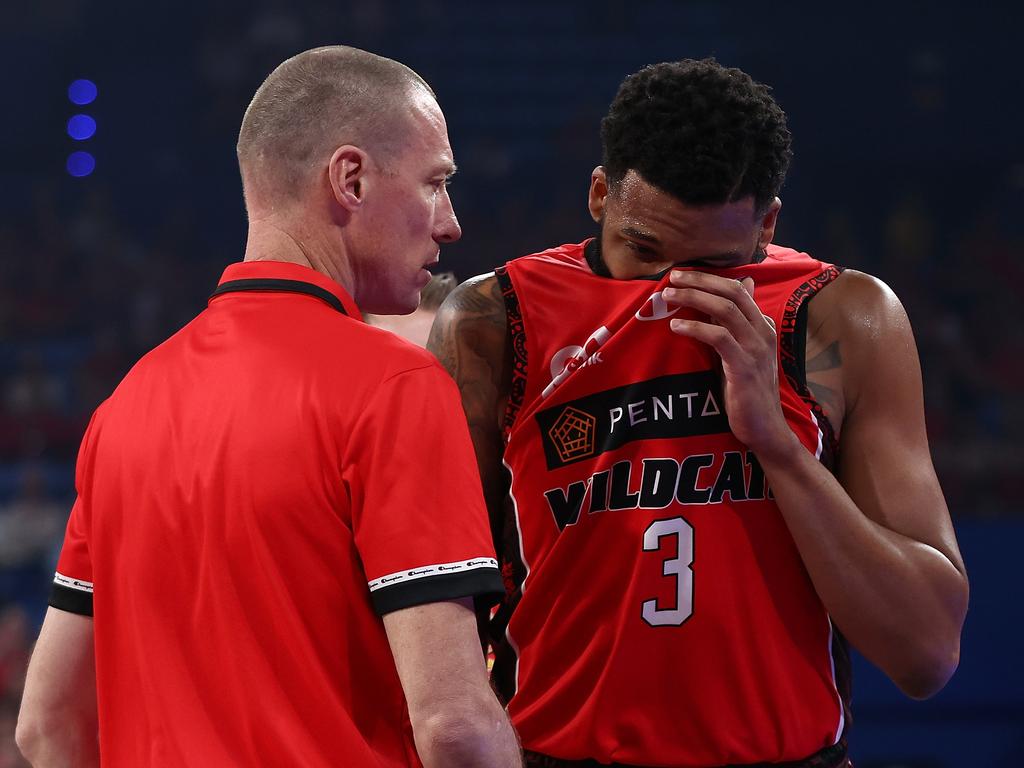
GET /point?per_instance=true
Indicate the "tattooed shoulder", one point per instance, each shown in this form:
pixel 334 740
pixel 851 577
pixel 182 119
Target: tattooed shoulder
pixel 824 380
pixel 823 362
pixel 470 339
pixel 479 296
pixel 472 318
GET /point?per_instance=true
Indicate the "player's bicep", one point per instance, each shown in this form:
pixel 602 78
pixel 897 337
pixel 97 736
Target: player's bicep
pixel 470 339
pixel 884 459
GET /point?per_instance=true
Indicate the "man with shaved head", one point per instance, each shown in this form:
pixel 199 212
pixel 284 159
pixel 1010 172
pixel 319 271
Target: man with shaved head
pixel 279 532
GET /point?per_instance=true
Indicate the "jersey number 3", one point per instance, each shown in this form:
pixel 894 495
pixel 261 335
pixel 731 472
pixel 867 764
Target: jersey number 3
pixel 678 566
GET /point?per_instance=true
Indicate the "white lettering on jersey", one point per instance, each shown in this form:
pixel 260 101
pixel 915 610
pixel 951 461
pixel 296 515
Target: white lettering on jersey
pixel 568 359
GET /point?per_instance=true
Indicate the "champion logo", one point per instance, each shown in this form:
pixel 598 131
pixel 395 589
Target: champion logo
pixel 432 571
pixel 66 581
pixel 655 308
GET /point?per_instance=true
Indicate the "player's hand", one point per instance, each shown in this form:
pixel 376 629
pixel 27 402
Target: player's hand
pixel 747 343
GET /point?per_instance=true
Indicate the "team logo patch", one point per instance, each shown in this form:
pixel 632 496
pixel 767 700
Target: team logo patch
pixel 679 405
pixel 572 435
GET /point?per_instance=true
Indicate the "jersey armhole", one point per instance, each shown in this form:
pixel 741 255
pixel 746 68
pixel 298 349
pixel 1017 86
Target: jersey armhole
pixel 793 353
pixel 799 346
pixel 516 338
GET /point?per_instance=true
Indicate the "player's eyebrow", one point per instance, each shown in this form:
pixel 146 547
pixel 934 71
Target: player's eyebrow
pixel 640 235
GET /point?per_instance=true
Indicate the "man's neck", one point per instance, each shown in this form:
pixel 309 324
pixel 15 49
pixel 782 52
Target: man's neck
pixel 269 241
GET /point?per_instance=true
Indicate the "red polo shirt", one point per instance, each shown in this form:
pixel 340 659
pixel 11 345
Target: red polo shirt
pixel 257 490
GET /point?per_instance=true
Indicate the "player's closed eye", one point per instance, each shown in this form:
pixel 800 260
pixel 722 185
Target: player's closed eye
pixel 639 248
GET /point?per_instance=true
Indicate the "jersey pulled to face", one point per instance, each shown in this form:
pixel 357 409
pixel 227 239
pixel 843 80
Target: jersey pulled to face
pixel 659 612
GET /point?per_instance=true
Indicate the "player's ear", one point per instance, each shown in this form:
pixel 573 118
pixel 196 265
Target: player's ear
pixel 598 192
pixel 346 172
pixel 768 222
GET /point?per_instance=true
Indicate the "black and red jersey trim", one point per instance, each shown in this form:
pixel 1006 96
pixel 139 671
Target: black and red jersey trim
pixel 517 336
pixel 792 348
pixel 792 352
pixel 507 534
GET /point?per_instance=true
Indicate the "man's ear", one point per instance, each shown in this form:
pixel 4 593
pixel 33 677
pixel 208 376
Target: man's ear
pixel 347 172
pixel 598 193
pixel 768 222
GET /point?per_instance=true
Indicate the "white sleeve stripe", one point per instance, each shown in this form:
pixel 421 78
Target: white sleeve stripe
pixel 439 569
pixel 67 581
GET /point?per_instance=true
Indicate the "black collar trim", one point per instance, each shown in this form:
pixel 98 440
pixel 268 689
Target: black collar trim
pixel 285 286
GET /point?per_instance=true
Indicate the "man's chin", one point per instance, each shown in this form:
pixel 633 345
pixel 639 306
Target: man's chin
pixel 394 307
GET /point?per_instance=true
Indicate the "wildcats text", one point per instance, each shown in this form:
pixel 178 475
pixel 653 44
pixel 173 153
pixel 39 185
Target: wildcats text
pixel 662 482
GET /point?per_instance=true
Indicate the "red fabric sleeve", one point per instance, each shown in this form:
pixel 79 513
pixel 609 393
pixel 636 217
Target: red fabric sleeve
pixel 418 511
pixel 72 588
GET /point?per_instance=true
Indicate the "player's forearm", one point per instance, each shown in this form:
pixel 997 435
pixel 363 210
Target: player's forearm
pixel 900 602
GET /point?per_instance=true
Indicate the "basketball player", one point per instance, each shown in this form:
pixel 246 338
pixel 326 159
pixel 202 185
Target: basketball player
pixel 415 326
pixel 278 529
pixel 718 468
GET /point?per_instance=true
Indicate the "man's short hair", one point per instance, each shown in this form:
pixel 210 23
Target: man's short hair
pixel 703 133
pixel 315 102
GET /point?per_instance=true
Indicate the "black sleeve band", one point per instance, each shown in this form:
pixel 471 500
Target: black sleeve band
pixel 483 583
pixel 71 600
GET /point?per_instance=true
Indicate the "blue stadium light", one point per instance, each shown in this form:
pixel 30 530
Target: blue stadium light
pixel 82 92
pixel 81 164
pixel 81 127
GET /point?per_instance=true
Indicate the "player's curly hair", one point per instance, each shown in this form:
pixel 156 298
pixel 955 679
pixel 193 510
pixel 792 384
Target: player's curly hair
pixel 699 131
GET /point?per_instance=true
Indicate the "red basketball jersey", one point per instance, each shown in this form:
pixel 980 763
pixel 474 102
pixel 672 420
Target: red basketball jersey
pixel 659 613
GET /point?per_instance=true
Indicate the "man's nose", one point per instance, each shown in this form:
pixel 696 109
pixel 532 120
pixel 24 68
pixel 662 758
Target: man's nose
pixel 447 229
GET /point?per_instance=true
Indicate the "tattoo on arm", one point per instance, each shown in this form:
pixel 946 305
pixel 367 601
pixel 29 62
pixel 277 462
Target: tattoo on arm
pixel 470 339
pixel 826 360
pixel 474 310
pixel 823 380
